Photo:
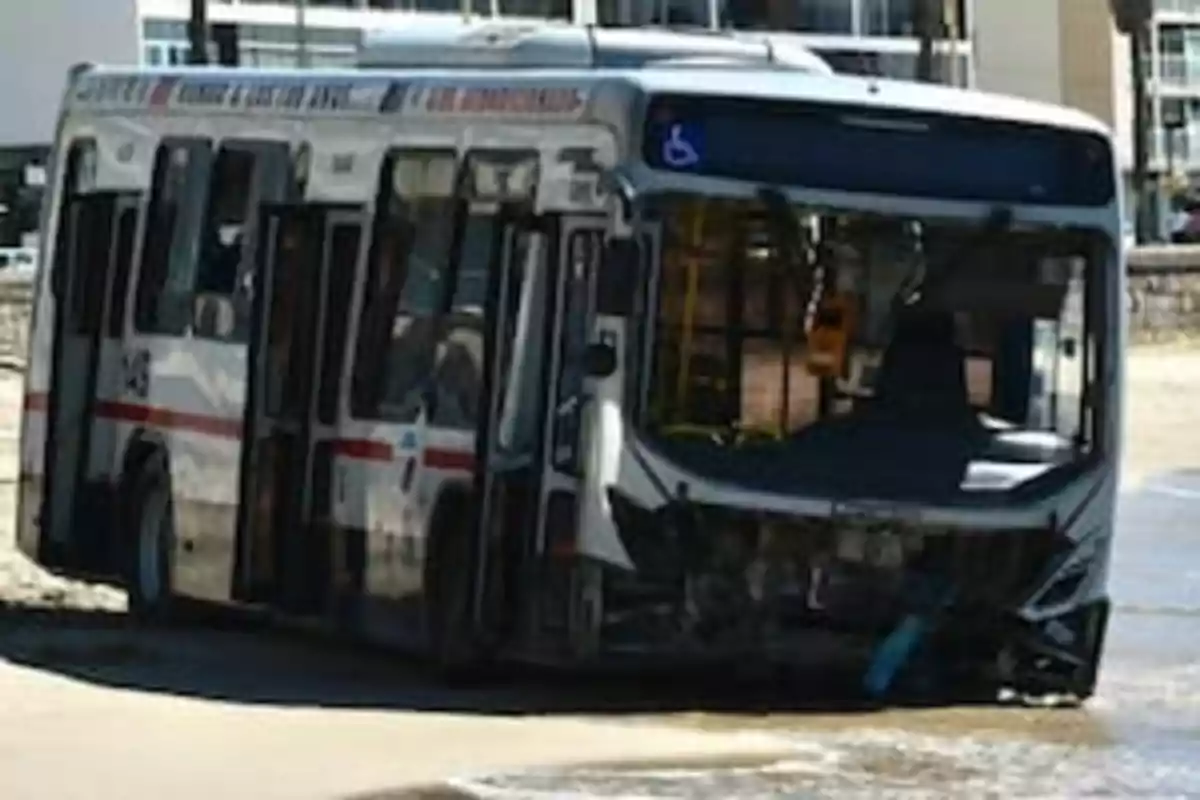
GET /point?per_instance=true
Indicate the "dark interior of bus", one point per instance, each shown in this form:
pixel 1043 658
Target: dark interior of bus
pixel 839 353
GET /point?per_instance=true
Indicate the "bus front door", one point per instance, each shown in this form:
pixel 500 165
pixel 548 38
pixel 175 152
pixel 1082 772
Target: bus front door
pixel 528 444
pixel 306 268
pixel 91 270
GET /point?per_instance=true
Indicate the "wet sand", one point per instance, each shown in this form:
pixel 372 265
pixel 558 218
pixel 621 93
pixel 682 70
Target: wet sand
pixel 242 713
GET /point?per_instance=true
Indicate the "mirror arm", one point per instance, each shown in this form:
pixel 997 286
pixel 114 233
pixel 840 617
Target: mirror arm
pixel 618 185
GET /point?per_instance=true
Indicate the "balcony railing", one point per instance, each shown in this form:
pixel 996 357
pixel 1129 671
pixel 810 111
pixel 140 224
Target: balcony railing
pixel 533 8
pixel 1185 154
pixel 886 18
pixel 1179 72
pixel 1190 8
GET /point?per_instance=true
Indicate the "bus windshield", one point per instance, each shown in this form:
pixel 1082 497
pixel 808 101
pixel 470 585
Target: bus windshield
pixel 842 346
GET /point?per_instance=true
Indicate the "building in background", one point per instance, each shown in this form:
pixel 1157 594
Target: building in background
pixel 40 40
pixel 872 37
pixel 1173 94
pixel 1067 52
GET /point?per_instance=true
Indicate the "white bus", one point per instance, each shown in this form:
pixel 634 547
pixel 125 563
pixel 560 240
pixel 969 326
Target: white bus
pixel 639 359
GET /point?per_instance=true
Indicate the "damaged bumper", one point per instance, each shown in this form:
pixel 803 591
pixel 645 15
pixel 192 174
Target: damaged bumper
pixel 1021 607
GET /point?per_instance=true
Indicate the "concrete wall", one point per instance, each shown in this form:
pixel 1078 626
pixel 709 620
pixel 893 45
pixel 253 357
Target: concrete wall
pixel 1163 297
pixel 39 41
pixel 16 298
pixel 1017 47
pixel 1164 292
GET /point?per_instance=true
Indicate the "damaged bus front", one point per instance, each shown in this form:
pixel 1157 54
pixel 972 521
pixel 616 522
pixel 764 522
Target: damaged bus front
pixel 869 397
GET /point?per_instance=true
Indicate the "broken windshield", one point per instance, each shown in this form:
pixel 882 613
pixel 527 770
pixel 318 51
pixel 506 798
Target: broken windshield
pixel 844 338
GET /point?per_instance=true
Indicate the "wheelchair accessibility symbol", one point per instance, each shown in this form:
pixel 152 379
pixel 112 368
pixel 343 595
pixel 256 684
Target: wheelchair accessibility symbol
pixel 677 151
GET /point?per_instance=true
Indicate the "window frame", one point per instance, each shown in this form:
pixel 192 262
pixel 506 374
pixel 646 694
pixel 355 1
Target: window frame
pixel 74 165
pixel 388 210
pixel 449 313
pixel 258 150
pixel 151 243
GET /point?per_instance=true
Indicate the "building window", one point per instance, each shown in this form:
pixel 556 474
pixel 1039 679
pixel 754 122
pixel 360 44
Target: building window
pixel 817 16
pixel 164 29
pixel 477 6
pixel 898 18
pixel 311 3
pixel 952 69
pixel 888 18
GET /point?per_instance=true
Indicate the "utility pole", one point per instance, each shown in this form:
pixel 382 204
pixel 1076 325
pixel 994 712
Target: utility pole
pixel 198 33
pixel 302 33
pixel 952 28
pixel 1132 18
pixel 927 25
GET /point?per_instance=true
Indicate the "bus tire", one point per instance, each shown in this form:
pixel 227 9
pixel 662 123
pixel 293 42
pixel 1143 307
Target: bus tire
pixel 150 528
pixel 453 645
pixel 1097 630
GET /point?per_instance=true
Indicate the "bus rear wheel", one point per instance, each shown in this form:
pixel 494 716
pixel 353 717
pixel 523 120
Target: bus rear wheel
pixel 149 524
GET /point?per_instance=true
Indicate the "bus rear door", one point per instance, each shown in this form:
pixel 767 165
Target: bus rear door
pixel 307 262
pixel 90 278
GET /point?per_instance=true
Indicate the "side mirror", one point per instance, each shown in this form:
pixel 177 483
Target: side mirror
pixel 617 283
pixel 600 360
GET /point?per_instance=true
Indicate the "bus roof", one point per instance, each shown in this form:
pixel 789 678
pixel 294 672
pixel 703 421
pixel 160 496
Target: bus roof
pixel 158 90
pixel 441 41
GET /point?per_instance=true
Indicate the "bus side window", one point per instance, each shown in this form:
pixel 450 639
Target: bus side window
pixel 458 361
pixel 173 226
pixel 405 271
pixel 496 187
pixel 80 158
pixel 244 175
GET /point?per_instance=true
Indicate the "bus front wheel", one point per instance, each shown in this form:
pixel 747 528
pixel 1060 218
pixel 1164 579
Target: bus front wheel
pixel 150 528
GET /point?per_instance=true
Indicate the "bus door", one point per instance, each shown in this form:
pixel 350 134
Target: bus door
pixel 89 283
pixel 529 438
pixel 307 262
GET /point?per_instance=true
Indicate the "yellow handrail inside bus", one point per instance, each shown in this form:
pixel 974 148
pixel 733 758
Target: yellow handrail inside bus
pixel 741 434
pixel 689 306
pixel 690 429
pixel 749 433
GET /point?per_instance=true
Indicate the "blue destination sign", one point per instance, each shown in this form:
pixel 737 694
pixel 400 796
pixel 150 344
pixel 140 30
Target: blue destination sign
pixel 878 151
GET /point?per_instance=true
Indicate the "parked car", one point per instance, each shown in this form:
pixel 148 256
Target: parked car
pixel 16 260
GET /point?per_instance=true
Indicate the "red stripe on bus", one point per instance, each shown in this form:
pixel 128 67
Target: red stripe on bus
pixel 225 428
pixel 362 449
pixel 437 458
pixel 221 427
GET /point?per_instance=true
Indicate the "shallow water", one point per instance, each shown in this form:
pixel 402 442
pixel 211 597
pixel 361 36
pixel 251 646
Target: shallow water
pixel 1139 737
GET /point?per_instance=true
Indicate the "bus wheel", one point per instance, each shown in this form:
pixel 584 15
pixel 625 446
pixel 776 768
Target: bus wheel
pixel 453 644
pixel 150 526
